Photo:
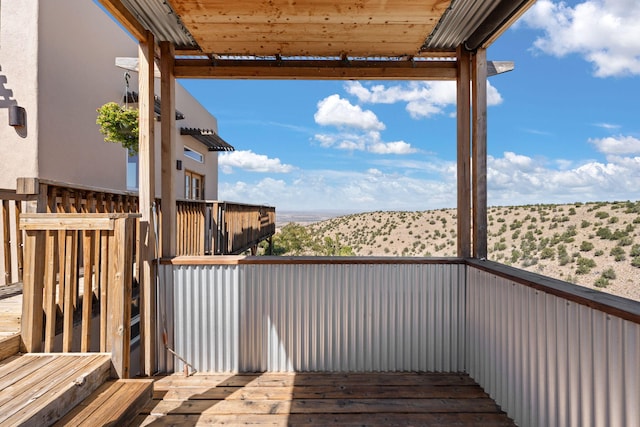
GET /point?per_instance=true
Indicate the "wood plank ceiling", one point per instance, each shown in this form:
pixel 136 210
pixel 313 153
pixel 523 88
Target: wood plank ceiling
pixel 328 28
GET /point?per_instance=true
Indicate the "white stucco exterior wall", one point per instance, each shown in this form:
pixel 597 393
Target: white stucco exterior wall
pixel 61 77
pixel 77 75
pixel 18 85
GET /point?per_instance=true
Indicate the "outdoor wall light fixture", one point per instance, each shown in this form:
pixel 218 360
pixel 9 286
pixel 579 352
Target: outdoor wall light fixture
pixel 179 165
pixel 17 116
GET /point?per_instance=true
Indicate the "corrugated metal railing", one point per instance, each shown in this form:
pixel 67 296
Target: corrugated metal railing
pixel 548 352
pixel 547 360
pixel 321 316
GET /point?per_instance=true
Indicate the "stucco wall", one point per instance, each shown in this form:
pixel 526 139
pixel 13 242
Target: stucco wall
pixel 77 75
pixel 61 77
pixel 18 85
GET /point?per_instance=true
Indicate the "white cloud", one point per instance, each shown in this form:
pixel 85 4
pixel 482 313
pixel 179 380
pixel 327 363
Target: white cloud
pixel 608 126
pixel 423 99
pixel 617 145
pixel 249 161
pixel 397 147
pixel 335 111
pixel 367 141
pixel 605 32
pixel 513 179
pixel 344 190
pixel 516 179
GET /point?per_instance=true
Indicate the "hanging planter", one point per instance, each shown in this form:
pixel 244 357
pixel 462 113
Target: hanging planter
pixel 119 124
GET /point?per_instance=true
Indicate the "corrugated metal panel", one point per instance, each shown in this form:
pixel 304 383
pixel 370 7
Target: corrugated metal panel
pixel 159 18
pixel 548 361
pixel 205 316
pixel 459 22
pixel 319 317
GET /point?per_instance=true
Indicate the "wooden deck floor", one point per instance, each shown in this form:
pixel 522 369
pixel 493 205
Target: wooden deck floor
pixel 389 399
pixel 37 389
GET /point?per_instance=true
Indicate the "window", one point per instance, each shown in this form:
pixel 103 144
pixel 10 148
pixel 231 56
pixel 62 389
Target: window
pixel 193 154
pixel 193 186
pixel 132 172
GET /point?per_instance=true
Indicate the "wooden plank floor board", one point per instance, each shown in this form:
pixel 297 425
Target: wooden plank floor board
pixel 319 392
pixel 315 379
pixel 278 399
pixel 314 420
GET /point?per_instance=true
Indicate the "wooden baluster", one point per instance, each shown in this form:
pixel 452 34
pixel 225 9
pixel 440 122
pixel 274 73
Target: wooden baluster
pixel 70 283
pixel 61 254
pixel 6 229
pixel 88 259
pixel 19 242
pixel 50 306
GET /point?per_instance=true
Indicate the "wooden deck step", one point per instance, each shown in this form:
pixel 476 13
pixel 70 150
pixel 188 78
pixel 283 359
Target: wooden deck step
pixel 39 389
pixel 9 346
pixel 115 403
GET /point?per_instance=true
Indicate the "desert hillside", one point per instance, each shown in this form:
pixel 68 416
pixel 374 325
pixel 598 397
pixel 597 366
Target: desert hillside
pixel 592 244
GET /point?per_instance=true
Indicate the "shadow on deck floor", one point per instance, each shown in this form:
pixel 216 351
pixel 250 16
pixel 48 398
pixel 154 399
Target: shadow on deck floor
pixel 278 399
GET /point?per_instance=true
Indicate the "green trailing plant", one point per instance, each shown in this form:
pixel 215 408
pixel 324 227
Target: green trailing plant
pixel 119 125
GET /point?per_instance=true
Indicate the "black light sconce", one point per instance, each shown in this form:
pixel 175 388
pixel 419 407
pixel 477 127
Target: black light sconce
pixel 179 165
pixel 17 116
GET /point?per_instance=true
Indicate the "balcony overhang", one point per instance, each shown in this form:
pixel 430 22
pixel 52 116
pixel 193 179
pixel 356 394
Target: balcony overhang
pixel 209 138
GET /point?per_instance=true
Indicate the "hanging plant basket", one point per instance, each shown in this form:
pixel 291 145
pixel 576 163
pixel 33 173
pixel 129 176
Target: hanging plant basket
pixel 119 124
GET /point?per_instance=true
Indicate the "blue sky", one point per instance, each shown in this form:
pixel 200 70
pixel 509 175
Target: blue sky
pixel 564 126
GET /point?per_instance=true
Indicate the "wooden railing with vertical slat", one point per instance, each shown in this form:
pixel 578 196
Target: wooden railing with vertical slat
pixel 192 227
pixel 11 250
pixel 241 227
pixel 56 298
pixel 202 227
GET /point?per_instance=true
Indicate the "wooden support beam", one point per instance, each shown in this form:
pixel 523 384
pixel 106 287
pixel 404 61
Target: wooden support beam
pixel 479 152
pixel 464 152
pixel 315 69
pixel 147 191
pixel 168 149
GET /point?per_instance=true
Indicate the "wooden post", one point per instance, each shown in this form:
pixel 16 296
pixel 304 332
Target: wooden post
pixel 34 267
pixel 464 153
pixel 479 148
pixel 32 292
pixel 119 299
pixel 168 149
pixel 147 191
